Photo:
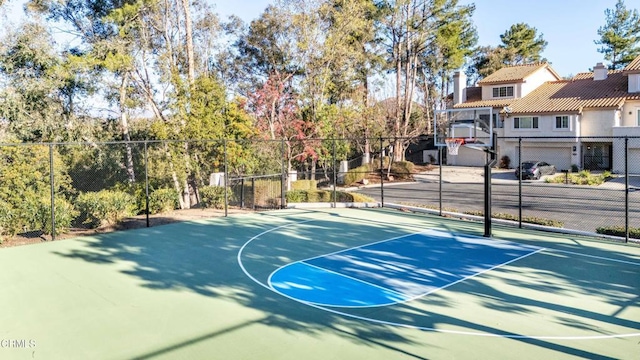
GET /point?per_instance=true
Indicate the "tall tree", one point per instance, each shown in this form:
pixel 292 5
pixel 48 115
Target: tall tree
pixel 453 43
pixel 411 28
pixel 102 46
pixel 620 36
pixel 36 91
pixel 266 50
pixel 352 40
pixel 521 44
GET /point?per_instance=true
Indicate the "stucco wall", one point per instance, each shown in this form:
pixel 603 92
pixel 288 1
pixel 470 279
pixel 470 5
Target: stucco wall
pixel 630 113
pixel 619 149
pixel 536 79
pixel 520 90
pixel 598 122
pixel 546 127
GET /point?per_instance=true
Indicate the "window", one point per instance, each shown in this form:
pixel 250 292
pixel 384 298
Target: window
pixel 502 91
pixel 562 122
pixel 498 123
pixel 525 122
pixel 638 117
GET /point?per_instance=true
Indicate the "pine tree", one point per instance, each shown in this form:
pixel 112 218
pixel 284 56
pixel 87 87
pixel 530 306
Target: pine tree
pixel 620 36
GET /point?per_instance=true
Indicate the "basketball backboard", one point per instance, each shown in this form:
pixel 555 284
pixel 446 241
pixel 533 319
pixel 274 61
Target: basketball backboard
pixel 475 125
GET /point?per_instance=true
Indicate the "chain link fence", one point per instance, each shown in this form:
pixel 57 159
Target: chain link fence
pixel 588 184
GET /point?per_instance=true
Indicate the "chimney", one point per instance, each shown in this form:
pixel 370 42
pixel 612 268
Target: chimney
pixel 459 87
pixel 599 72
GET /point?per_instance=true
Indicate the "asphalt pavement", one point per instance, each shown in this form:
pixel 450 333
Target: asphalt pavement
pixel 470 174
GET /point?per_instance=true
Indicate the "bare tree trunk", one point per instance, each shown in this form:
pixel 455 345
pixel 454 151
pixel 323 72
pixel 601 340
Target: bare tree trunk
pixel 174 176
pixel 191 75
pixel 124 122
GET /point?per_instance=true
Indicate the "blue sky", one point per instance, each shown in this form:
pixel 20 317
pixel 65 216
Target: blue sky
pixel 569 26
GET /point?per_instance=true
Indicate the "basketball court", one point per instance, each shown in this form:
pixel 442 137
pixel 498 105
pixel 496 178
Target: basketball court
pixel 321 284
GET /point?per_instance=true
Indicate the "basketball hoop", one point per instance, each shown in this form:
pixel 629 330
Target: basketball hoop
pixel 453 144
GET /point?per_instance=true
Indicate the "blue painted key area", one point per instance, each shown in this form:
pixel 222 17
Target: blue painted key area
pixel 394 270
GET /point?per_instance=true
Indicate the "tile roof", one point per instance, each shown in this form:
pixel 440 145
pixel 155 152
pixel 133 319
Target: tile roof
pixel 634 66
pixel 515 73
pixel 498 103
pixel 474 99
pixel 576 94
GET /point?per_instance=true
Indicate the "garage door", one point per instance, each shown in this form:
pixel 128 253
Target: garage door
pixel 634 162
pixel 559 156
pixel 467 157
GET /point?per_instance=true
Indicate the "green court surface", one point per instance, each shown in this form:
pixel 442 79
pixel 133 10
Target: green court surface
pixel 200 290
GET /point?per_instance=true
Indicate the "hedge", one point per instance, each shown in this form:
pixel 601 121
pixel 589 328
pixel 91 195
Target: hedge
pixel 356 174
pixel 304 185
pixel 619 231
pixel 213 196
pixel 525 219
pixel 163 200
pixel 311 196
pixel 105 207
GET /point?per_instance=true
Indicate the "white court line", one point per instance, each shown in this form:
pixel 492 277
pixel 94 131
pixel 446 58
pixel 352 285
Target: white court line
pixel 422 328
pixel 406 298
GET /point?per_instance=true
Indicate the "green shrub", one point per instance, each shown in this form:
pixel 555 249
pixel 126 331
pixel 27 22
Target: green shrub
pixel 574 168
pixel 105 207
pixel 402 169
pixel 296 196
pixel 304 185
pixel 505 162
pixel 138 190
pixel 360 198
pixel 356 174
pixel 584 177
pixel 619 231
pixel 312 196
pixel 213 196
pixel 525 219
pixel 26 189
pixel 65 213
pixel 6 218
pixel 163 200
pixel 431 207
pixel 318 196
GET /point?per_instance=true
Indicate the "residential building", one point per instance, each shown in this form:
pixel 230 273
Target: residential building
pixel 564 122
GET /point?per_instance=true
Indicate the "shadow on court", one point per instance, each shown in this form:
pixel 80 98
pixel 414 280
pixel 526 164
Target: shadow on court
pixel 201 257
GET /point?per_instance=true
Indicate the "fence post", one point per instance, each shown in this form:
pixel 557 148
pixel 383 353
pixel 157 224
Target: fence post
pixel 520 183
pixel 53 204
pixel 335 175
pixel 626 189
pixel 253 193
pixel 381 172
pixel 226 175
pixel 283 176
pixel 242 193
pixel 146 181
pixel 440 180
